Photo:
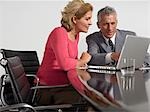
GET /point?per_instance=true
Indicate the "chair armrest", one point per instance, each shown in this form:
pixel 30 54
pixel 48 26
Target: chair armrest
pixel 49 87
pixel 53 107
pixel 37 83
pixel 16 106
pixel 35 77
pixel 43 86
pixel 35 88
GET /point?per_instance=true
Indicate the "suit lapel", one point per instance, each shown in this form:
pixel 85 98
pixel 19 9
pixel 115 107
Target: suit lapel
pixel 119 41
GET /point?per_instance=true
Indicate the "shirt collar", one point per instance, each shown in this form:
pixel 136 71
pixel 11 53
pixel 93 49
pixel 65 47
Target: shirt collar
pixel 112 39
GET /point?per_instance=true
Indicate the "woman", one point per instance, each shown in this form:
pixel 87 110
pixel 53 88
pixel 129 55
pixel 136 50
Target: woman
pixel 61 49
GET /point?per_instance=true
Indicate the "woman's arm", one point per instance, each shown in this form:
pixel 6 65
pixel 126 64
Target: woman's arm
pixel 60 48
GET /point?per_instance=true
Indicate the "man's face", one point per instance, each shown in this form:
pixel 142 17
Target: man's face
pixel 108 25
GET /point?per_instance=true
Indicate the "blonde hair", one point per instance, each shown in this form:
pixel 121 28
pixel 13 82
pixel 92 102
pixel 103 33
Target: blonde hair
pixel 74 8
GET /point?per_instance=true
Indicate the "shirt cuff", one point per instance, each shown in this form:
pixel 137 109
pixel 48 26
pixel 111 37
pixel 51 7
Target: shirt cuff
pixel 108 58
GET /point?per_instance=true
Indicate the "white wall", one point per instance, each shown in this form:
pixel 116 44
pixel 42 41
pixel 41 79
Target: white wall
pixel 26 24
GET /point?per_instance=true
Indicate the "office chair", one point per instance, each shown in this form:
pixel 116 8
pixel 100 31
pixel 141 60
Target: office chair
pixel 22 91
pixel 30 63
pixel 21 107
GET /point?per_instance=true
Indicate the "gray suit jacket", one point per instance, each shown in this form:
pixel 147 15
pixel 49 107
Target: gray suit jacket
pixel 97 46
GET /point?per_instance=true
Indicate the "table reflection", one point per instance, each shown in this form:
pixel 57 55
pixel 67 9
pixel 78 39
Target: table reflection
pixel 97 88
pixel 104 85
pixel 133 91
pixel 111 91
pixel 128 82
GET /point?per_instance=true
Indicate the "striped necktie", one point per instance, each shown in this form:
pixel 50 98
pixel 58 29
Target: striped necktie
pixel 112 49
pixel 111 45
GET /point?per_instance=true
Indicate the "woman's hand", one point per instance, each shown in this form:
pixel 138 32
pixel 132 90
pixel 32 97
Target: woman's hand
pixel 86 57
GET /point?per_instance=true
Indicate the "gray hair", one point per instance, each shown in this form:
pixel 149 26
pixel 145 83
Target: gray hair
pixel 105 11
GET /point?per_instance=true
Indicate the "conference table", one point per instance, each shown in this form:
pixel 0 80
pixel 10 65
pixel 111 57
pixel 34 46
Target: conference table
pixel 113 91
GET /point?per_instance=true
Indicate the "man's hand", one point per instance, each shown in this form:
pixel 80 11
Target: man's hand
pixel 115 56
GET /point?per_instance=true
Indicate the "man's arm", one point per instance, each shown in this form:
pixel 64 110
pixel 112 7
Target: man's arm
pixel 98 58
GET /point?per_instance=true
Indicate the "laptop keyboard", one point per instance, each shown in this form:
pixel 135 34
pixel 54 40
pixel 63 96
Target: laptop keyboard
pixel 102 67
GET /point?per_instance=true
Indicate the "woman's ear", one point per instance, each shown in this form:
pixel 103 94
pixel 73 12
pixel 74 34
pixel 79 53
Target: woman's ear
pixel 74 19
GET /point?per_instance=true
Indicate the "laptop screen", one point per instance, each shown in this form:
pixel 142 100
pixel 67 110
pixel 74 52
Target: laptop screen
pixel 134 47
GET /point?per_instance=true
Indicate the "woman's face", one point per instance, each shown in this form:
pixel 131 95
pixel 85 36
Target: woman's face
pixel 82 24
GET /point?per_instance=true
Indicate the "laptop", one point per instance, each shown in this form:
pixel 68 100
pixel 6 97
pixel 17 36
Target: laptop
pixel 134 47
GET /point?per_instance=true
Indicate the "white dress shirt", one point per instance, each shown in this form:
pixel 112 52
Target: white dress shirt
pixel 108 55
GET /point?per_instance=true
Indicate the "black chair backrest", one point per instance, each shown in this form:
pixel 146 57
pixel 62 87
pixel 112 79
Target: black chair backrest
pixel 30 62
pixel 29 59
pixel 18 79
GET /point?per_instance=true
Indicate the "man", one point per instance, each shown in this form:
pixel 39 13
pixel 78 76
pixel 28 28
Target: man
pixel 105 45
